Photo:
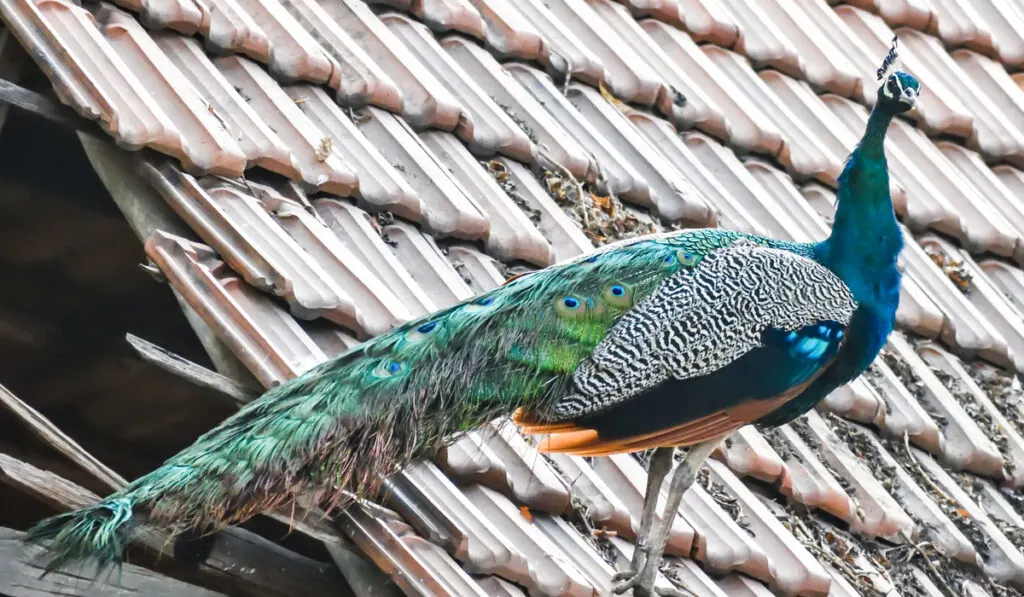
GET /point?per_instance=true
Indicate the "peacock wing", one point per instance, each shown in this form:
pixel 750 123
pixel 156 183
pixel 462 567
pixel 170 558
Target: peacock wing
pixel 712 348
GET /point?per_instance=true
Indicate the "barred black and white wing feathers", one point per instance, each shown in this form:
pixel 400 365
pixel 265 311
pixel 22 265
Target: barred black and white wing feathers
pixel 712 348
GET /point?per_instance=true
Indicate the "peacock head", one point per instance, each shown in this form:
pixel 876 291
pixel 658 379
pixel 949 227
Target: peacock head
pixel 897 90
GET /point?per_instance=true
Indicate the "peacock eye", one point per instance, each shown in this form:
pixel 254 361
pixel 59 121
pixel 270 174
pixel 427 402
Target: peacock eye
pixel 387 369
pixel 427 327
pixel 893 85
pixel 686 258
pixel 618 295
pixel 485 301
pixel 572 307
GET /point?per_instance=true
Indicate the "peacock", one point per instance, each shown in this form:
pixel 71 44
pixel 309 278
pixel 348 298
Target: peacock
pixel 654 343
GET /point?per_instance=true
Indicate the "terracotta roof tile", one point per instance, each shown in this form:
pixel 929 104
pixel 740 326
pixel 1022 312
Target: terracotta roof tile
pixel 913 13
pixel 965 326
pixel 730 212
pixel 546 571
pixel 903 414
pixel 747 453
pixel 737 585
pixel 628 481
pixel 707 21
pixel 442 513
pixel 626 74
pixel 376 308
pixel 180 15
pixel 417 566
pixel 481 272
pixel 198 138
pixel 604 508
pixel 744 188
pixel 747 126
pixel 496 587
pixel 226 26
pixel 1000 105
pixel 447 210
pixel 996 426
pixel 509 34
pixel 512 236
pixel 989 301
pixel 442 15
pixel 87 73
pixel 1007 23
pixel 242 231
pixel 788 198
pixel 258 143
pixel 427 266
pixel 671 196
pixel 802 153
pixel 521 107
pixel 565 237
pixel 965 446
pixel 425 101
pixel 960 24
pixel 357 78
pixel 857 401
pixel 793 570
pixel 991 205
pixel 930 518
pixel 525 474
pixel 352 228
pixel 761 39
pixel 379 185
pixel 304 141
pixel 1000 559
pixel 993 132
pixel 266 339
pixel 619 175
pixel 483 125
pixel 806 479
pixel 566 53
pixel 597 571
pixel 810 26
pixel 294 54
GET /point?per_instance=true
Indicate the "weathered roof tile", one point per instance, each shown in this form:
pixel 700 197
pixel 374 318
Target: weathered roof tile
pixel 425 101
pixel 198 138
pixel 483 125
pixel 447 210
pixel 305 142
pixel 511 236
pixel 551 140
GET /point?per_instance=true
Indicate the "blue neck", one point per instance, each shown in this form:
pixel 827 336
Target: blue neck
pixel 866 238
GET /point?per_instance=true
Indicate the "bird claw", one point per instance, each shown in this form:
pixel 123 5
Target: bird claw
pixel 626 580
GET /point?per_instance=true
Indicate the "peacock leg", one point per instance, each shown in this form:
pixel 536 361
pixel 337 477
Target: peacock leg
pixel 683 477
pixel 657 470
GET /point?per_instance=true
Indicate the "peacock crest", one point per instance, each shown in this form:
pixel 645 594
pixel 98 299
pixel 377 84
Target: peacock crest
pixel 891 62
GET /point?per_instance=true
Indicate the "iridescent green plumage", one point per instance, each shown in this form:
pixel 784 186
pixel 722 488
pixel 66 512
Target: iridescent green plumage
pixel 399 396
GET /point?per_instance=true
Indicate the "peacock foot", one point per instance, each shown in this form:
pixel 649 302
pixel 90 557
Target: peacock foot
pixel 642 584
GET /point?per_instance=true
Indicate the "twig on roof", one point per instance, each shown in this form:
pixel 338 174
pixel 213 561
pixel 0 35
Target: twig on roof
pixel 191 372
pixel 53 436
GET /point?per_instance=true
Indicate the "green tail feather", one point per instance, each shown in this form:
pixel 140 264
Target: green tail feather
pixel 342 427
pixel 98 533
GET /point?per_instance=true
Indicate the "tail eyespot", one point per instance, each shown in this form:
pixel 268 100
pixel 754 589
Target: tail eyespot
pixel 618 295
